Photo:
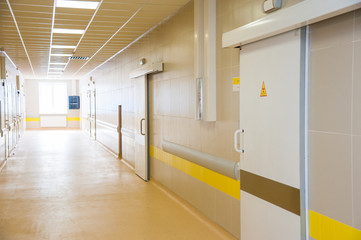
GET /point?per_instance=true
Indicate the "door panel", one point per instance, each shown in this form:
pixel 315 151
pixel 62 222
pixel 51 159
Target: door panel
pixel 141 127
pixel 270 117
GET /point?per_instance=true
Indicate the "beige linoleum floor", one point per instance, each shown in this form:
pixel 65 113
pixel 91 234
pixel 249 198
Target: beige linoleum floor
pixel 62 185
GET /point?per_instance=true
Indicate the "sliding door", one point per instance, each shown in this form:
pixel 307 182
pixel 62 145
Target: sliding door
pixel 271 103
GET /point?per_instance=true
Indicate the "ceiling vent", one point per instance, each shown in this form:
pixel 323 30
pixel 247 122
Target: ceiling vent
pixel 78 58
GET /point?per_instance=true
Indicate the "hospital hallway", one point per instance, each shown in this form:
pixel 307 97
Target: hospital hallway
pixel 59 184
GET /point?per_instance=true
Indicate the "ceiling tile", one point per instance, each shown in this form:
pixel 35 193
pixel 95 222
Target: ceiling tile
pixel 110 31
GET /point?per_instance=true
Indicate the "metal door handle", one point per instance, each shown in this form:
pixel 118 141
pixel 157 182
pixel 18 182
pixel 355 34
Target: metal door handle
pixel 141 126
pixel 236 143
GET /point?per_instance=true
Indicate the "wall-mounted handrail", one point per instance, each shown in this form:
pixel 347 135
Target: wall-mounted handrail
pixel 125 131
pixel 128 132
pixel 220 165
pixel 106 125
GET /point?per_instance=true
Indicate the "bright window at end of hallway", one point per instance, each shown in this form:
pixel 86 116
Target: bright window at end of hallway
pixel 53 98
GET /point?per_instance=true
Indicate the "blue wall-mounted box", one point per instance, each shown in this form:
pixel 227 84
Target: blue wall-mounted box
pixel 74 102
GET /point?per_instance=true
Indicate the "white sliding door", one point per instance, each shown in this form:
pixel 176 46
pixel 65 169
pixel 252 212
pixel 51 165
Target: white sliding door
pixel 270 100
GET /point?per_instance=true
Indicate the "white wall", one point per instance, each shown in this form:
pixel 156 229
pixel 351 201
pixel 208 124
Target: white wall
pixel 32 102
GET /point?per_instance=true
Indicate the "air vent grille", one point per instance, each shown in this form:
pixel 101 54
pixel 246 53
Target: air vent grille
pixel 78 58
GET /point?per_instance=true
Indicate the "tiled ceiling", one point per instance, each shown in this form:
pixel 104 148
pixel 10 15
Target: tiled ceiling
pixel 26 32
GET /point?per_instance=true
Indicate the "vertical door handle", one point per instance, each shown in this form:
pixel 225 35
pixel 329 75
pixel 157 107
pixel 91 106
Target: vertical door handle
pixel 141 126
pixel 236 140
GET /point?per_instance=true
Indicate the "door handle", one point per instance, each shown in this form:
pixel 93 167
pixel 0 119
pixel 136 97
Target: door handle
pixel 141 126
pixel 236 142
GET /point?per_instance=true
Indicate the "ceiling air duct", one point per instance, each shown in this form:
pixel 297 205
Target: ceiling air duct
pixel 78 58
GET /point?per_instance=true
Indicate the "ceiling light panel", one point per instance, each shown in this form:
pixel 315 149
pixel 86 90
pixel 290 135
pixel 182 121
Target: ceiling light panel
pixel 54 63
pixel 77 4
pixel 63 46
pixel 68 31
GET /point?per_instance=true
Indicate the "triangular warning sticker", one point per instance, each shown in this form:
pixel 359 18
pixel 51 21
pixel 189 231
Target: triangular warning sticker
pixel 263 91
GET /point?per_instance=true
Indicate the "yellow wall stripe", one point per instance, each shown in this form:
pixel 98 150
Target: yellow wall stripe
pixel 33 119
pixel 216 180
pixel 325 228
pixel 73 118
pixel 38 119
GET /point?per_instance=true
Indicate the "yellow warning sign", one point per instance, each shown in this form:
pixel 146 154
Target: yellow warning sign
pixel 263 91
pixel 236 81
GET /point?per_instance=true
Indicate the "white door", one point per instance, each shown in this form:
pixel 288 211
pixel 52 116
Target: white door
pixel 270 117
pixel 141 127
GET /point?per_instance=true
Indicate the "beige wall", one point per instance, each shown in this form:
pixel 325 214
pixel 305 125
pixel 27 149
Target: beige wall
pixel 31 88
pixel 172 102
pixel 335 118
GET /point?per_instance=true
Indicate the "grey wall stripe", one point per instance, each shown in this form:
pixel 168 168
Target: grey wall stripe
pixel 279 194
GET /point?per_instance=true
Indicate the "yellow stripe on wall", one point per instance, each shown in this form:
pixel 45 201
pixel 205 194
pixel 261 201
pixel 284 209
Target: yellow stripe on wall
pixel 69 119
pixel 216 180
pixel 325 228
pixel 73 118
pixel 33 119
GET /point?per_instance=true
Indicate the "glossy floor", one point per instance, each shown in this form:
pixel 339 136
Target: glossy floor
pixel 62 185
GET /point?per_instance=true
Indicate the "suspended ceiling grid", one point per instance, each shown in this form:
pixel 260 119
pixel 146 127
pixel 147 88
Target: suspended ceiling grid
pixel 110 28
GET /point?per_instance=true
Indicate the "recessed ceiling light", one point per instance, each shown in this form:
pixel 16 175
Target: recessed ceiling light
pixel 68 31
pixel 77 4
pixel 63 46
pixel 55 73
pixel 56 68
pixel 61 55
pixel 58 63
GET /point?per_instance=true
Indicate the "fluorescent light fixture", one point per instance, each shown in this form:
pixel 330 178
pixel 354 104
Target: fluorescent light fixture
pixel 77 4
pixel 58 63
pixel 68 31
pixel 63 46
pixel 61 55
pixel 54 68
pixel 55 73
